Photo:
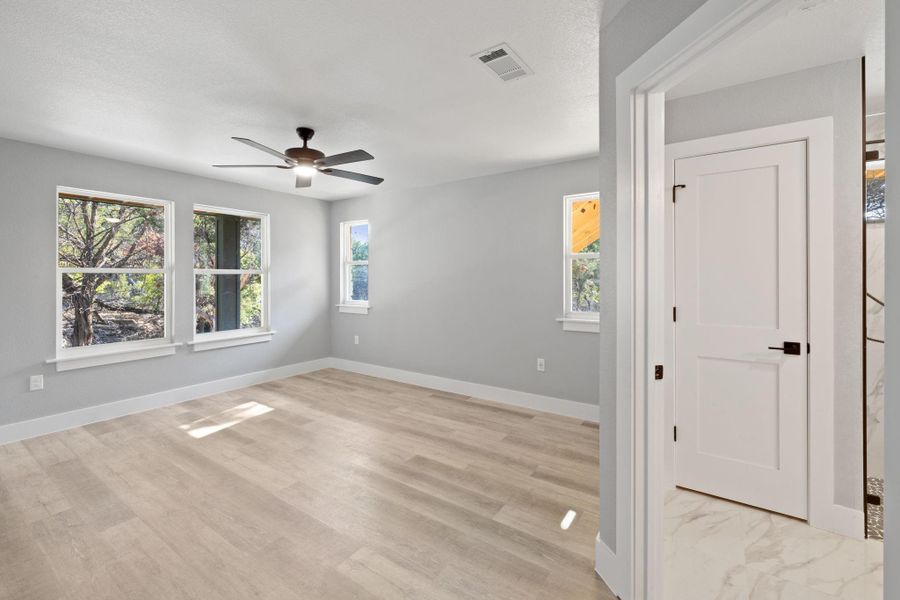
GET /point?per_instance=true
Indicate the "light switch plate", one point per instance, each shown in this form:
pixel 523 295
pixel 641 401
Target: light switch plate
pixel 35 383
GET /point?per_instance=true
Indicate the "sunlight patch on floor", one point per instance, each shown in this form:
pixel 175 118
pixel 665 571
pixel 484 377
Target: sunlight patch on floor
pixel 568 520
pixel 225 419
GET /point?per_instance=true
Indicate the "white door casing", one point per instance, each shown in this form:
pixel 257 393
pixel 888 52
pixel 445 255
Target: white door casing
pixel 740 290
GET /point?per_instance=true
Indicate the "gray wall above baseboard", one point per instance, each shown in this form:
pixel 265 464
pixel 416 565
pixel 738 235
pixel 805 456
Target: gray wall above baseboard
pixel 466 282
pixel 29 175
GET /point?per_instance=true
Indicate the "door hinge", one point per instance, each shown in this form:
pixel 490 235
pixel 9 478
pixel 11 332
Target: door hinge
pixel 808 348
pixel 675 188
pixel 674 313
pixel 658 372
pixel 675 433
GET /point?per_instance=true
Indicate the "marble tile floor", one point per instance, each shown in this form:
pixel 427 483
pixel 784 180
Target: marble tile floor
pixel 875 510
pixel 719 550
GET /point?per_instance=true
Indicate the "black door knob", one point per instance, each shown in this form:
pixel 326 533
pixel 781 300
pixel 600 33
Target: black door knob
pixel 788 348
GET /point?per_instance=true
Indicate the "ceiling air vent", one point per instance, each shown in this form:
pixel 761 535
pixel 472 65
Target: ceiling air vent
pixel 503 62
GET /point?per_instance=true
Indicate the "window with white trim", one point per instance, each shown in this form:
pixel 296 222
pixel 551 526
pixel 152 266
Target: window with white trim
pixel 355 237
pixel 231 275
pixel 113 275
pixel 581 258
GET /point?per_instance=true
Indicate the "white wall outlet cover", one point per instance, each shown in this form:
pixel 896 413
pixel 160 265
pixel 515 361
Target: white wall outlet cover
pixel 35 382
pixel 540 364
pixel 356 339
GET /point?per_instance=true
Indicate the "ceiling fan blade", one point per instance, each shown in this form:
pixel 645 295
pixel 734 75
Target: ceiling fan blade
pixel 304 181
pixel 259 146
pixel 252 166
pixel 344 158
pixel 353 176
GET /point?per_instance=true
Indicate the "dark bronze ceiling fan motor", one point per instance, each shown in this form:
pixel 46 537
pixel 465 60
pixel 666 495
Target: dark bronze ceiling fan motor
pixel 305 154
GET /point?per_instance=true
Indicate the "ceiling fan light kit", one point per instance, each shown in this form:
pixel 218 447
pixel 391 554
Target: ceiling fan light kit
pixel 306 161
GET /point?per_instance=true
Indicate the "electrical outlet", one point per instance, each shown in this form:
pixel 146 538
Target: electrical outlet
pixel 356 340
pixel 540 365
pixel 35 383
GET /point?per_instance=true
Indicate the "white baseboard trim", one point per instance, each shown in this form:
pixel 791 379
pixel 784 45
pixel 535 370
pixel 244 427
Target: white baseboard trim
pixel 845 521
pixel 610 569
pixel 24 430
pixel 549 404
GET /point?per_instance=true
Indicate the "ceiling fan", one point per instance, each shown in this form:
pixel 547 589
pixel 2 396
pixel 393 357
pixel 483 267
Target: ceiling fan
pixel 306 162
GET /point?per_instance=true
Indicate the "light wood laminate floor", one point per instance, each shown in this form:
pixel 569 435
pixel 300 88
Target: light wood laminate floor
pixel 325 486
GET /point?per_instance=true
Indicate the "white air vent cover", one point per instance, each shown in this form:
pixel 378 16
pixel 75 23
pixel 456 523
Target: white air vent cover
pixel 503 62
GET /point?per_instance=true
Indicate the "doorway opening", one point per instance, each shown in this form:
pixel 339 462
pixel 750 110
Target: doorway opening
pixel 713 43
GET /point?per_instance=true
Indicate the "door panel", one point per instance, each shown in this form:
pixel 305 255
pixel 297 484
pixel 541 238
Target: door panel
pixel 737 271
pixel 740 288
pixel 738 423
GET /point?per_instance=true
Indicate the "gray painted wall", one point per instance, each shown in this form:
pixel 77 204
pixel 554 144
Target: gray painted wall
pixel 28 180
pixel 633 31
pixel 466 281
pixel 892 316
pixel 831 90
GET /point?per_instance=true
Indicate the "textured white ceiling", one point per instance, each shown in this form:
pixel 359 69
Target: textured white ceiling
pixel 167 82
pixel 809 33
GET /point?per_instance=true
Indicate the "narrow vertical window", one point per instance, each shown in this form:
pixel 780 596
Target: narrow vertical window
pixel 582 258
pixel 113 276
pixel 355 266
pixel 231 276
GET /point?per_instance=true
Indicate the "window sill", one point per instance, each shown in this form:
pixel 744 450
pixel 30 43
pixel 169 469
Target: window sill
pixel 356 309
pixel 109 357
pixel 581 325
pixel 214 341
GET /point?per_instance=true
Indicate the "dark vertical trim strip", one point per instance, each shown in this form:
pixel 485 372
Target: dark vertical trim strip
pixel 865 325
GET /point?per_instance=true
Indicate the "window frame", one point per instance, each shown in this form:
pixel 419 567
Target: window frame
pixel 347 304
pixel 68 358
pixel 575 320
pixel 234 337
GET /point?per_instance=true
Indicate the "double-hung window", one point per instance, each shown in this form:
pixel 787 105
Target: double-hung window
pixel 231 278
pixel 113 278
pixel 355 267
pixel 581 262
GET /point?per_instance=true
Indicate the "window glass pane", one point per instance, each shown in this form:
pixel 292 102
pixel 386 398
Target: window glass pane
pixel 359 282
pixel 585 287
pixel 251 301
pixel 586 226
pixel 875 186
pixel 205 299
pixel 204 241
pixel 227 242
pixel 227 302
pixel 109 308
pixel 251 243
pixel 101 233
pixel 359 242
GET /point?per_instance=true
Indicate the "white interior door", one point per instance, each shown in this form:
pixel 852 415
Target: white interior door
pixel 740 290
